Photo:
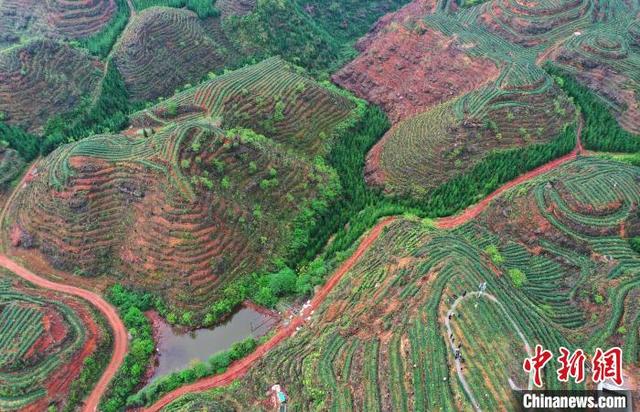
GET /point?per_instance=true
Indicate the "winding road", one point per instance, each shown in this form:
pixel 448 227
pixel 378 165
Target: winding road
pixel 240 367
pixel 120 335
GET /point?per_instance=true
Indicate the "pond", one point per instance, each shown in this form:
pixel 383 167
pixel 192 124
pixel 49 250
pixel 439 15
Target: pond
pixel 176 350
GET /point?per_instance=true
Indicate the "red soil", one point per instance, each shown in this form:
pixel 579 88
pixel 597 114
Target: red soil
pixel 54 331
pixel 60 382
pixel 406 67
pixel 240 368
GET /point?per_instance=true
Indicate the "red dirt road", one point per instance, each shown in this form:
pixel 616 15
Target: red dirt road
pixel 120 337
pixel 452 222
pixel 240 367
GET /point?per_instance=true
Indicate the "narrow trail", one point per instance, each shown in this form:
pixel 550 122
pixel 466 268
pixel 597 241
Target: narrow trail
pixel 240 367
pixel 120 335
pixel 447 323
pixel 451 222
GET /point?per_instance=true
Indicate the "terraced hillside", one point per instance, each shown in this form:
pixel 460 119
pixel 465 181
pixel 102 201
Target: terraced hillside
pixel 271 98
pixel 559 269
pixel 407 68
pixel 141 43
pixel 607 60
pixel 531 24
pixel 53 18
pixel 427 150
pixel 44 339
pixel 159 40
pixel 40 68
pixel 480 89
pixel 184 206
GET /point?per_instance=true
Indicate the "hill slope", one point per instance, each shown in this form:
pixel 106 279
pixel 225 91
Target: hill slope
pixel 43 78
pixel 192 206
pixel 56 18
pixel 163 48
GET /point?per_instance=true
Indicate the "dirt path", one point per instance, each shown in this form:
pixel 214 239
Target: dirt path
pixel 120 335
pixel 240 367
pixel 447 322
pixel 472 212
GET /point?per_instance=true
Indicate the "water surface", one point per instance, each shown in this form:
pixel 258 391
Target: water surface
pixel 177 350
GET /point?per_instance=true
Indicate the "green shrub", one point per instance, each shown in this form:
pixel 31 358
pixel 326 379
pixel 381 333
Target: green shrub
pixel 494 254
pixel 517 277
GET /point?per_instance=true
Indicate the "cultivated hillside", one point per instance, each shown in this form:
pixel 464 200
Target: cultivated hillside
pixel 45 338
pixel 189 199
pixel 559 272
pixel 164 48
pixel 608 62
pixel 460 83
pixel 271 98
pixel 53 18
pixel 42 78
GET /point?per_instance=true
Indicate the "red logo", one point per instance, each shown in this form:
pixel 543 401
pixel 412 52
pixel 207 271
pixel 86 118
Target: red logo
pixel 536 363
pixel 607 365
pixel 571 366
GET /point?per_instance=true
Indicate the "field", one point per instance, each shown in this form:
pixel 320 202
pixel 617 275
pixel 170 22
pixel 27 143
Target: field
pixel 158 40
pixel 190 206
pixel 27 72
pixel 45 338
pixel 62 19
pixel 380 340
